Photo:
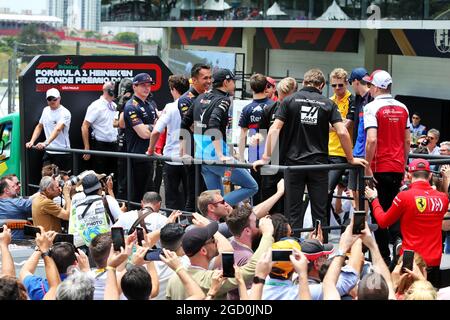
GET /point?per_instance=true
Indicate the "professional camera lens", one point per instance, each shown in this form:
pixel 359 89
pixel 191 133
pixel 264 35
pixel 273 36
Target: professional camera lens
pixel 74 180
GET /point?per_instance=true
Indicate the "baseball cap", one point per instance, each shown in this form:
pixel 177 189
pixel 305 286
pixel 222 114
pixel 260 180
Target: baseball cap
pixel 142 78
pixel 90 183
pixel 171 236
pixel 419 165
pixel 271 81
pixel 195 238
pixel 284 268
pixel 223 74
pixel 379 78
pixel 314 249
pixel 357 74
pixel 53 92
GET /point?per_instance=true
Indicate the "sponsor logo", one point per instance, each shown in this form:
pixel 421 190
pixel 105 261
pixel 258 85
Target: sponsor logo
pixel 308 115
pixel 442 40
pixel 421 203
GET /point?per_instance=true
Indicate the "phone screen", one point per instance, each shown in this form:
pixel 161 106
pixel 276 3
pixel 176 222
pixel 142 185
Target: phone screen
pixel 316 227
pixel 359 221
pixel 30 231
pixel 62 237
pixel 153 254
pixel 118 239
pixel 281 255
pixel 227 264
pixel 1 229
pixel 140 235
pixel 408 259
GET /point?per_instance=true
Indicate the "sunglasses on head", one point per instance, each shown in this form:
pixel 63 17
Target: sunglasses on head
pixel 51 99
pixel 339 85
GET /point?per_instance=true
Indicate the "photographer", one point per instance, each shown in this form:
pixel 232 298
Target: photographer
pixel 93 215
pixel 45 211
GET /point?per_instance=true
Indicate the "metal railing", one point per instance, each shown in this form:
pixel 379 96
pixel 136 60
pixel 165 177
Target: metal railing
pixel 286 170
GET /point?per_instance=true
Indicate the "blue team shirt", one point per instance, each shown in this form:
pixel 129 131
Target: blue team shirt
pixel 15 208
pixel 250 118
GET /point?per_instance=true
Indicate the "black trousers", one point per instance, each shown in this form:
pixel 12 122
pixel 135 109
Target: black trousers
pixel 388 185
pixel 102 164
pixel 268 189
pixel 258 197
pixel 142 177
pixel 183 198
pixel 62 160
pixel 333 179
pixel 317 184
pixel 157 180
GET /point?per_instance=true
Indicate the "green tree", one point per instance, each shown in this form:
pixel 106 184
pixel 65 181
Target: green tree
pixel 7 44
pixel 127 37
pixel 32 41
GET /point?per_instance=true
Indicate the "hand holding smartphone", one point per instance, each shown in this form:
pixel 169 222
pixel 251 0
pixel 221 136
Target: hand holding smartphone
pixel 118 238
pixel 408 260
pixel 140 235
pixel 30 231
pixel 228 264
pixel 153 254
pixel 359 222
pixel 62 237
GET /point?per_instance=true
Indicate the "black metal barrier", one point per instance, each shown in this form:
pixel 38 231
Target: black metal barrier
pixel 287 170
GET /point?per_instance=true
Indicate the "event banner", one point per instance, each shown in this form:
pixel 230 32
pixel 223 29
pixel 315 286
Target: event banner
pixel 410 42
pixel 203 36
pixel 316 39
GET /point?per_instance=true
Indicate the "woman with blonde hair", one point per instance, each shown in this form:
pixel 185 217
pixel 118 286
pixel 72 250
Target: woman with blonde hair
pixel 421 290
pixel 404 279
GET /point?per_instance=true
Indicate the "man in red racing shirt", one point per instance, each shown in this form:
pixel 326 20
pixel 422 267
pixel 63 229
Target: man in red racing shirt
pixel 420 211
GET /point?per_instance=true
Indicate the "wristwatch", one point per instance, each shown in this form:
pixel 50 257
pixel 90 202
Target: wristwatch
pixel 258 280
pixel 45 254
pixel 371 199
pixel 340 253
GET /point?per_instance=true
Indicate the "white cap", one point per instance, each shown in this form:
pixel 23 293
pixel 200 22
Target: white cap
pixel 379 78
pixel 53 92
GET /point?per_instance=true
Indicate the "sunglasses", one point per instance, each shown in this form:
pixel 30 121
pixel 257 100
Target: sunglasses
pixel 430 138
pixel 219 202
pixel 51 99
pixel 339 85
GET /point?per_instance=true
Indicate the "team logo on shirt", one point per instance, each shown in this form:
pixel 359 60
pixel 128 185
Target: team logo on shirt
pixel 421 203
pixel 308 115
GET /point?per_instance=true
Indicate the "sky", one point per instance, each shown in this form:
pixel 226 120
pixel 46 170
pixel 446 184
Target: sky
pixel 17 6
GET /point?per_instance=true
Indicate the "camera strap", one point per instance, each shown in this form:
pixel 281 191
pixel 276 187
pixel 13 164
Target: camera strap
pixel 140 220
pixel 109 216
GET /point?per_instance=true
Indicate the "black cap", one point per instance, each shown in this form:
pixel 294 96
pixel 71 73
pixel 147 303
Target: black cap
pixel 195 238
pixel 171 235
pixel 90 183
pixel 313 249
pixel 142 78
pixel 223 74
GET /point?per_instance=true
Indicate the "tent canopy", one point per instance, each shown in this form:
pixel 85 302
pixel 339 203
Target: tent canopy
pixel 216 5
pixel 334 12
pixel 275 10
pixel 187 5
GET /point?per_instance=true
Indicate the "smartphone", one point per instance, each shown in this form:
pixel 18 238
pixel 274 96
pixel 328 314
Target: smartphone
pixel 63 237
pixel 1 229
pixel 281 255
pixel 316 227
pixel 228 264
pixel 408 260
pixel 118 238
pixel 153 254
pixel 30 231
pixel 369 182
pixel 359 221
pixel 140 235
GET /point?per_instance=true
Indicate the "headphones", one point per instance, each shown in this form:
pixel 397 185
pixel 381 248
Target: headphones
pixel 110 92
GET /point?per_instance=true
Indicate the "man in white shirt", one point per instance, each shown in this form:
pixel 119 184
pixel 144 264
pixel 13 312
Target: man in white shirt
pixel 55 120
pixel 101 117
pixel 174 172
pixel 154 219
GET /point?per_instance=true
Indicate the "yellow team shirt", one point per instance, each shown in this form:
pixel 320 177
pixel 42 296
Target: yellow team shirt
pixel 334 145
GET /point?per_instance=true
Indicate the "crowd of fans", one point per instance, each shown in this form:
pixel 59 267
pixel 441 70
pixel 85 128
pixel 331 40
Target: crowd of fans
pixel 115 253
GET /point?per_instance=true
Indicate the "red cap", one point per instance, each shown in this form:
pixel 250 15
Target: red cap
pixel 271 81
pixel 419 165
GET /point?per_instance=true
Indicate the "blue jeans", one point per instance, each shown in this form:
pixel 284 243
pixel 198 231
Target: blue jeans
pixel 447 244
pixel 241 177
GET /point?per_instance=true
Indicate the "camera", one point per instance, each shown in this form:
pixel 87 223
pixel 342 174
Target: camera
pixel 73 180
pixel 425 142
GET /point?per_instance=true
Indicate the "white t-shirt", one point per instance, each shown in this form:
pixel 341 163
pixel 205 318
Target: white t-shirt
pixel 165 273
pixel 101 114
pixel 50 119
pixel 94 222
pixel 153 221
pixel 171 119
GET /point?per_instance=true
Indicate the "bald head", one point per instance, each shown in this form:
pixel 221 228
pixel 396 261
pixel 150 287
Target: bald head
pixel 108 91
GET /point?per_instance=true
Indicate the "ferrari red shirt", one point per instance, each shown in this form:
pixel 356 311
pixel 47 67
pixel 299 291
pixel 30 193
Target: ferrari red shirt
pixel 420 210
